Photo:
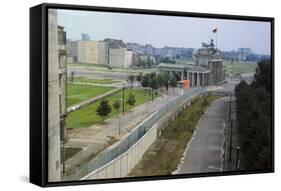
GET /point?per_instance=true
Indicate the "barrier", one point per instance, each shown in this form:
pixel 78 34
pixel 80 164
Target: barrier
pixel 117 150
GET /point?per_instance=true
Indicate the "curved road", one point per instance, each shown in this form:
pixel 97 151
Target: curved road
pixel 204 153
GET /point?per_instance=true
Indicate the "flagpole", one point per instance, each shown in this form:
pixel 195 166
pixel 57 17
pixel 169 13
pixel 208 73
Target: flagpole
pixel 217 38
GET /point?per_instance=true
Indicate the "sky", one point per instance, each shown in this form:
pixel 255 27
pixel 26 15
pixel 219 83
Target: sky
pixel 160 31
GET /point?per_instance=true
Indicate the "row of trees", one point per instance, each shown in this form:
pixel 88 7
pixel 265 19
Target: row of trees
pixel 153 80
pixel 104 108
pixel 146 63
pixel 255 118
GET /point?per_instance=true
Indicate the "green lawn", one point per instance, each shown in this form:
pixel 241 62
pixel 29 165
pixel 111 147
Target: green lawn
pixel 97 81
pixel 80 92
pixel 86 116
pixel 239 67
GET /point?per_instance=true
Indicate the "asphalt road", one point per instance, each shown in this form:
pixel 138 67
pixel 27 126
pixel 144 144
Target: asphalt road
pixel 204 153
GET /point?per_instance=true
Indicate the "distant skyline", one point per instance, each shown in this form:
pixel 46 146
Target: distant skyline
pixel 160 31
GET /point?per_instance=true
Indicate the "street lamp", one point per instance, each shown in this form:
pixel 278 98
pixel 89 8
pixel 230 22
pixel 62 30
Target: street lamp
pixel 229 108
pixel 123 97
pixel 230 145
pixel 237 164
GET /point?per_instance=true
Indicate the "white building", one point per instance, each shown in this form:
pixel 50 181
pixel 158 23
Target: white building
pixel 92 52
pixel 120 57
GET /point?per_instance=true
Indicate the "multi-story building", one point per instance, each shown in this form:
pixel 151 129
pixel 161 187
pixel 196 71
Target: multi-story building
pixel 88 51
pixel 62 54
pixel 103 53
pixel 85 36
pixel 120 57
pixel 55 94
pixel 92 52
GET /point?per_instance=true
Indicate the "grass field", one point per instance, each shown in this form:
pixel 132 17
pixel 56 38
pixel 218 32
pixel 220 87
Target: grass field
pixel 172 143
pixel 96 81
pixel 86 116
pixel 80 92
pixel 239 67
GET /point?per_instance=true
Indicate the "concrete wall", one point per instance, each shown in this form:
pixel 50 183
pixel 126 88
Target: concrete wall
pixel 53 99
pixel 123 164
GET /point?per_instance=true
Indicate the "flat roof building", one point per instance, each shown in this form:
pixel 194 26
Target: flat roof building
pixel 92 52
pixel 120 57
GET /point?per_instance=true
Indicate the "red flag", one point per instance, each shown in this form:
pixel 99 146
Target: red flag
pixel 215 30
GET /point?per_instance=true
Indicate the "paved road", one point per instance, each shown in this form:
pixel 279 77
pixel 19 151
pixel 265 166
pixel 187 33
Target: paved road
pixel 205 151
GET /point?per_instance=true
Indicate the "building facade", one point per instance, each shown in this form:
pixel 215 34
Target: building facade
pixel 88 52
pixel 92 52
pixel 53 99
pixel 120 57
pixel 62 54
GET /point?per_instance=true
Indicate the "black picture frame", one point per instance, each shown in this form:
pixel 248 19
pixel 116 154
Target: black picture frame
pixel 39 91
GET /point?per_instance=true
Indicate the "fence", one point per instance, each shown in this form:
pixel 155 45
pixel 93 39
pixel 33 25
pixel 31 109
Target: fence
pixel 116 150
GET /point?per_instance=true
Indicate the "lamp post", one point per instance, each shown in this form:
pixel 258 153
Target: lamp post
pixel 123 97
pixel 119 121
pixel 229 108
pixel 237 164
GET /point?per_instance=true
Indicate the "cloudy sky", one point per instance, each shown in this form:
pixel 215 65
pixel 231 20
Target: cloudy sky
pixel 163 31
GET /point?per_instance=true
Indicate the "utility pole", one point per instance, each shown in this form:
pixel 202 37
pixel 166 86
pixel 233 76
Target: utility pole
pixel 237 158
pixel 230 145
pixel 152 94
pixel 119 122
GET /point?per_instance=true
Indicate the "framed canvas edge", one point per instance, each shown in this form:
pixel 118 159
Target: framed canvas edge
pixel 42 135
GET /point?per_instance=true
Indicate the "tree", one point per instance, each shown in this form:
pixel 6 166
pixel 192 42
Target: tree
pixel 139 77
pixel 173 81
pixel 131 79
pixel 255 118
pixel 103 109
pixel 263 75
pixel 116 105
pixel 146 81
pixel 131 99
